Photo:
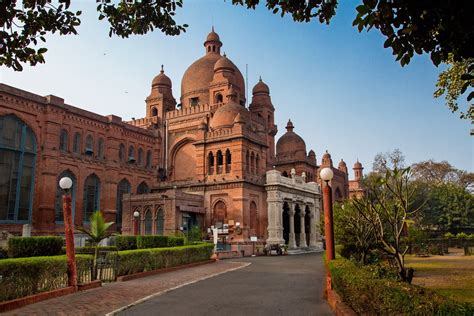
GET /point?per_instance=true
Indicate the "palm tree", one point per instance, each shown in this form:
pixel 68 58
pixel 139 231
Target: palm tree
pixel 96 233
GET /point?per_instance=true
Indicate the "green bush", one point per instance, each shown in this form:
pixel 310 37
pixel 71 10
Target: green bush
pixel 175 241
pixel 3 253
pixel 140 260
pixel 368 294
pixel 19 247
pixel 152 241
pixel 21 277
pixel 126 242
pixel 91 250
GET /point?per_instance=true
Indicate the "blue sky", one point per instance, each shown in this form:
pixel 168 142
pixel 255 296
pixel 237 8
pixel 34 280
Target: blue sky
pixel 343 91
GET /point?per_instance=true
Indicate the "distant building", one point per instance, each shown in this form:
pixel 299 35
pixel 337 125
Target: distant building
pixel 205 161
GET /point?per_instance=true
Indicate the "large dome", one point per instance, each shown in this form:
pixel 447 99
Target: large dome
pixel 198 76
pixel 290 143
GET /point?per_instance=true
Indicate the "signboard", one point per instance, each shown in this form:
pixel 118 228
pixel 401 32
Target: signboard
pixel 253 238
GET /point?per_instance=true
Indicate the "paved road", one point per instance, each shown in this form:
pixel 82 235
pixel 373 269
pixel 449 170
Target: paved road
pixel 289 285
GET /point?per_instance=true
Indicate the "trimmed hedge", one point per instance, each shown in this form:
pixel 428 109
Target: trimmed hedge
pixel 147 242
pixel 21 277
pixel 367 294
pixel 90 250
pixel 126 242
pixel 140 260
pixel 152 241
pixel 19 247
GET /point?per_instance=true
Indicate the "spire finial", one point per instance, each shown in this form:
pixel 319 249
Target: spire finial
pixel 213 28
pixel 162 70
pixel 289 126
pixel 225 55
pixel 260 79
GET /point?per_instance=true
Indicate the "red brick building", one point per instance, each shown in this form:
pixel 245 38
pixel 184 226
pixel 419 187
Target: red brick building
pixel 201 162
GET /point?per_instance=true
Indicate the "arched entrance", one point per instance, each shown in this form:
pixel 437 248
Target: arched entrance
pixel 220 214
pixel 297 224
pixel 286 222
pixel 307 223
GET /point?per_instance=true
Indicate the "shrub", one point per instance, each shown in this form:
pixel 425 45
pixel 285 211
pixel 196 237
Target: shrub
pixel 91 250
pixel 126 242
pixel 27 276
pixel 363 290
pixel 152 241
pixel 461 235
pixel 175 241
pixel 35 246
pixel 140 260
pixel 448 235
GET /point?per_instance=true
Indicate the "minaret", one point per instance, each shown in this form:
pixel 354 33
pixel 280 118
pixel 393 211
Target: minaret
pixel 161 97
pixel 358 175
pixel 326 161
pixel 262 106
pixel 213 43
pixel 342 166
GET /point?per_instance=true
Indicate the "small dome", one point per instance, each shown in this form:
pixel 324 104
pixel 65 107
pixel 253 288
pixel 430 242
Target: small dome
pixel 227 114
pixel 161 79
pixel 260 87
pixel 357 165
pixel 312 154
pixel 290 142
pixel 213 36
pixel 327 155
pixel 342 163
pixel 224 63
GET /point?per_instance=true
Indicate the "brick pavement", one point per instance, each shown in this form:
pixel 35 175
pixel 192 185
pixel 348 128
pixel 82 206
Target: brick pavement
pixel 112 296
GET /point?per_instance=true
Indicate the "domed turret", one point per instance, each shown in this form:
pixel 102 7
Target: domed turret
pixel 312 156
pixel 260 88
pixel 326 160
pixel 290 144
pixel 227 114
pixel 161 79
pixel 358 170
pixel 342 166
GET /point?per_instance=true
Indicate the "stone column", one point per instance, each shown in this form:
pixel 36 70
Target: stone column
pixel 315 238
pixel 302 229
pixel 292 241
pixel 275 227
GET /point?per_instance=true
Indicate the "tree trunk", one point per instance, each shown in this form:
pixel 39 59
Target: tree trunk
pixel 94 264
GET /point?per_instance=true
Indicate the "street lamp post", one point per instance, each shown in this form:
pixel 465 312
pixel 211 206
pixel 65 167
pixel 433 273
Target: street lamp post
pixel 136 215
pixel 65 184
pixel 327 175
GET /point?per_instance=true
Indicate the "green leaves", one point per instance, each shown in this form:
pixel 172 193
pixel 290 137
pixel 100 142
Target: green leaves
pixel 98 228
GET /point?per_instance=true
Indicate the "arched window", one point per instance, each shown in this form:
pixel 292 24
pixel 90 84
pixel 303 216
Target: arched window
pixel 63 140
pixel 154 111
pixel 100 148
pixel 17 169
pixel 89 145
pixel 76 144
pixel 140 156
pixel 247 162
pixel 228 161
pixel 121 152
pixel 257 164
pixel 220 161
pixel 252 163
pixel 122 188
pixel 59 214
pixel 160 222
pixel 285 174
pixel 219 98
pixel 148 159
pixel 143 188
pixel 91 197
pixel 131 154
pixel 148 223
pixel 210 162
pixel 220 214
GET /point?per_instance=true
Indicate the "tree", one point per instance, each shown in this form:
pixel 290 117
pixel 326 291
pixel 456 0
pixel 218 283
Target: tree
pixel 435 173
pixel 388 160
pixel 448 208
pixel 386 208
pixel 96 233
pixel 438 28
pixel 352 232
pixel 452 85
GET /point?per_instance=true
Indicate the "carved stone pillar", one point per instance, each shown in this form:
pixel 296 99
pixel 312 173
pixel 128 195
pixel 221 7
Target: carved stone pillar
pixel 292 241
pixel 303 243
pixel 275 227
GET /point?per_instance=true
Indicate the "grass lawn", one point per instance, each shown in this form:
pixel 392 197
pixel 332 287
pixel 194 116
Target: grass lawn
pixel 451 275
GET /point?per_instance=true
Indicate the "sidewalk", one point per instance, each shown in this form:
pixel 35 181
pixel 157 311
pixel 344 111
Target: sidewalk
pixel 113 296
